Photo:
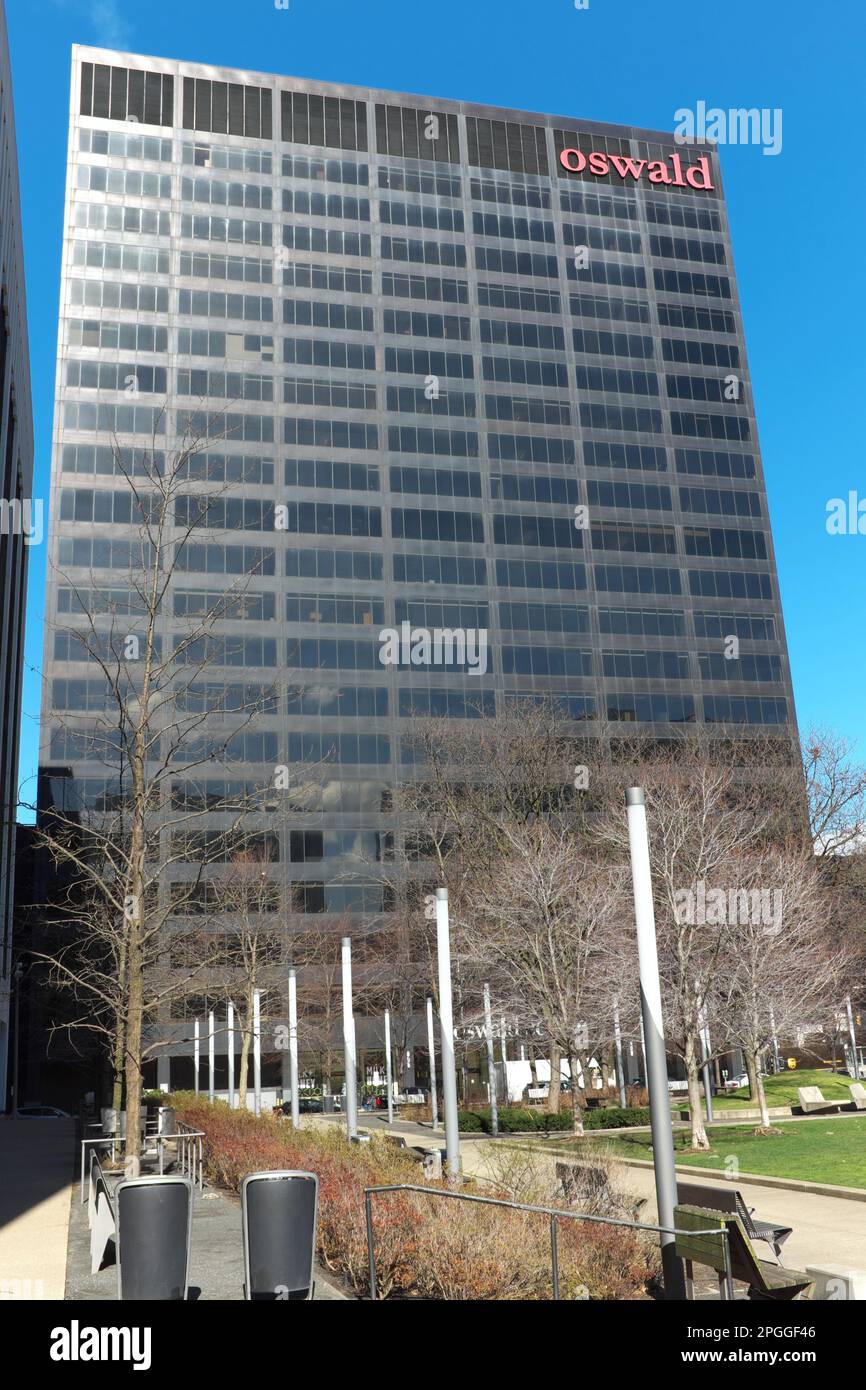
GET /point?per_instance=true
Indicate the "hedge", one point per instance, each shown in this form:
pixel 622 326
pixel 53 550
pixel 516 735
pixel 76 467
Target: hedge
pixel 516 1120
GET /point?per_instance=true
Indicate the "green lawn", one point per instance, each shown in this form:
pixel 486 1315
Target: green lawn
pixel 782 1089
pixel 829 1150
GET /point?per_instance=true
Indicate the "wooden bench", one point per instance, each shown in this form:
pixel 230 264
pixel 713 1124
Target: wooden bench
pixel 734 1258
pixel 728 1199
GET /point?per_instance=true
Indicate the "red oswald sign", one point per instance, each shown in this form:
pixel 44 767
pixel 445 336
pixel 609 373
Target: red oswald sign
pixel 656 170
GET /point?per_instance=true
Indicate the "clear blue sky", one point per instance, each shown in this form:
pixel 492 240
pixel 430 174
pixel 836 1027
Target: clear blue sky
pixel 797 217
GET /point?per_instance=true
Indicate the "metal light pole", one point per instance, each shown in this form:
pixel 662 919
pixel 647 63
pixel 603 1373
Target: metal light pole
pixel 446 1023
pixel 654 1043
pixel 491 1065
pixel 196 1051
pixel 230 1029
pixel 617 1042
pixel 431 1048
pixel 705 1066
pixel 211 1058
pixel 853 1036
pixel 257 1050
pixel 293 1047
pixel 349 1040
pixel 503 1049
pixel 388 1078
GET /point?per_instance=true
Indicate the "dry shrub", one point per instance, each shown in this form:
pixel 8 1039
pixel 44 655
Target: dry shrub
pixel 425 1247
pixel 485 1253
pixel 605 1262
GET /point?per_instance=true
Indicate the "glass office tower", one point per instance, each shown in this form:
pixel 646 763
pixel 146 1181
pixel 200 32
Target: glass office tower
pixel 485 371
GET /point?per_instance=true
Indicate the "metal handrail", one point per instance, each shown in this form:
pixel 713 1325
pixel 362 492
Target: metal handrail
pixel 190 1151
pixel 109 1140
pixel 553 1213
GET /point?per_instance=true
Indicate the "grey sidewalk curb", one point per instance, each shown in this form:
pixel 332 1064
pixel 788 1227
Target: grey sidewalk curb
pixel 817 1189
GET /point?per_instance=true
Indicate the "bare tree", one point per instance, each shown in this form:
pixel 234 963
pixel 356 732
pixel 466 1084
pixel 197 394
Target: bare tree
pixel 482 790
pixel 543 926
pixel 780 965
pixel 316 954
pixel 703 817
pixel 255 948
pixel 152 719
pixel 835 794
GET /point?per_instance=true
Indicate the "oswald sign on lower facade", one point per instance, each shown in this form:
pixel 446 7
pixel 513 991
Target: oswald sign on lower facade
pixel 697 175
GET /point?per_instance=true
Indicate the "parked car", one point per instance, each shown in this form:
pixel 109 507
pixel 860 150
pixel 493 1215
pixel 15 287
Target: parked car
pixel 43 1112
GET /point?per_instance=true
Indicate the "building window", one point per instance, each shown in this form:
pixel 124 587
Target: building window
pixel 329 122
pixel 123 94
pixel 227 108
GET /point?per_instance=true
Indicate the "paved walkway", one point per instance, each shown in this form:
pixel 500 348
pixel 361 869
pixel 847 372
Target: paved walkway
pixel 216 1271
pixel 827 1230
pixel 36 1163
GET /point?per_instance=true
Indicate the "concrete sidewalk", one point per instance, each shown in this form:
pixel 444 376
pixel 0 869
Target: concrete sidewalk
pixel 216 1270
pixel 827 1230
pixel 36 1164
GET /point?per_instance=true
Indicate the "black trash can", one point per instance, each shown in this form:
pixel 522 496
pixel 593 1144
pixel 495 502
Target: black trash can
pixel 279 1211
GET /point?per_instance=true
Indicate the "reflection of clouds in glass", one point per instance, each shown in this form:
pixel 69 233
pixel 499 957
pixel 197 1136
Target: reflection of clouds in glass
pixel 314 699
pixel 325 697
pixel 331 794
pixel 306 796
pixel 356 847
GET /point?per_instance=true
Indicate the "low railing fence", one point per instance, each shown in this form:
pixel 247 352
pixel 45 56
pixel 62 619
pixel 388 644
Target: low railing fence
pixel 190 1152
pixel 554 1215
pixel 188 1142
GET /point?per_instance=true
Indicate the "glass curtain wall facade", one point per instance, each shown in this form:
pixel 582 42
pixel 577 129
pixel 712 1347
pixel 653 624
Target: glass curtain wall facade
pixel 478 381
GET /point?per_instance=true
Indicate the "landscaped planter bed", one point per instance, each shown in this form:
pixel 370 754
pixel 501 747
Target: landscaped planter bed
pixel 425 1248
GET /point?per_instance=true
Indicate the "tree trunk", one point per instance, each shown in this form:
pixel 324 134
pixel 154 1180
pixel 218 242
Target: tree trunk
pixel 133 1047
pixel 327 1088
pixel 576 1109
pixel 699 1138
pixel 555 1087
pixel 117 1072
pixel 246 1039
pixel 756 1081
pixel 119 1034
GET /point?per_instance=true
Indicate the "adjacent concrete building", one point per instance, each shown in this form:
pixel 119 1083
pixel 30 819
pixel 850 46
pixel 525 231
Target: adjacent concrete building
pixel 20 524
